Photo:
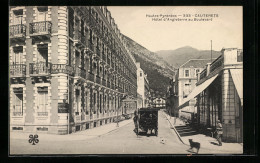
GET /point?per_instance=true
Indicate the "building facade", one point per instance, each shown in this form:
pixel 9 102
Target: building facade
pixel 184 82
pixel 143 86
pixel 159 102
pixel 220 95
pixel 69 68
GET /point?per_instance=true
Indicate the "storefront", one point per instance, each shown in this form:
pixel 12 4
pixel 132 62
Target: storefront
pixel 219 94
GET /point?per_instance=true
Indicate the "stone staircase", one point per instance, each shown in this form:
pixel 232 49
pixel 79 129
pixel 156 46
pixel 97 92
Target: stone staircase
pixel 185 130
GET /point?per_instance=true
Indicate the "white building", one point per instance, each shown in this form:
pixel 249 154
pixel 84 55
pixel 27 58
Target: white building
pixel 142 86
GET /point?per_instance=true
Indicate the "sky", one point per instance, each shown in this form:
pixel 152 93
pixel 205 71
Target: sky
pixel 225 30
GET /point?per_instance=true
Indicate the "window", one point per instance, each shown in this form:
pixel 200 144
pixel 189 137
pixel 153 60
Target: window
pixel 86 103
pixel 94 103
pixel 42 55
pixel 42 13
pixel 70 51
pixel 18 102
pixel 140 74
pixel 197 71
pixel 100 103
pixel 187 73
pixel 18 55
pixel 18 17
pixel 186 90
pixel 71 22
pixel 77 101
pixel 42 101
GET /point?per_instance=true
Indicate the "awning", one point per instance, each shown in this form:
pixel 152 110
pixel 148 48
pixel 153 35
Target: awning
pixel 237 76
pixel 199 89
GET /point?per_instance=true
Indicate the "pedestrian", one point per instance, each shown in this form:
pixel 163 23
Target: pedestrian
pixel 135 121
pixel 219 132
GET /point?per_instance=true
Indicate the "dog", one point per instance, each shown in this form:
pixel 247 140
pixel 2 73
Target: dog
pixel 194 145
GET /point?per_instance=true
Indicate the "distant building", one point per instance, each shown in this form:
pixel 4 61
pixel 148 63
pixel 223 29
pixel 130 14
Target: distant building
pixel 139 101
pixel 184 82
pixel 159 102
pixel 142 86
pixel 219 93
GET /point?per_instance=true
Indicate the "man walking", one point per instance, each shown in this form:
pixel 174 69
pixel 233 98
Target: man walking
pixel 219 132
pixel 135 121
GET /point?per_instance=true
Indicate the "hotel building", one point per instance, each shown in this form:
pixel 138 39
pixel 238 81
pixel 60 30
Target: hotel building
pixel 69 68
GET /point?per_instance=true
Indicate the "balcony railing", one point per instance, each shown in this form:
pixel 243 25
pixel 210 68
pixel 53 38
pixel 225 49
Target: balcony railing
pixel 18 70
pixel 40 28
pixel 203 74
pixel 90 77
pixel 80 72
pixel 42 113
pixel 62 68
pixel 17 113
pixel 216 63
pixel 18 30
pixel 40 68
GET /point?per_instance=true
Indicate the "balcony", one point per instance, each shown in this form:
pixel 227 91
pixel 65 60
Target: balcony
pixel 80 72
pixel 18 70
pixel 203 74
pixel 90 77
pixel 40 30
pixel 98 80
pixel 17 113
pixel 42 114
pixel 17 32
pixel 62 68
pixel 40 69
pixel 217 63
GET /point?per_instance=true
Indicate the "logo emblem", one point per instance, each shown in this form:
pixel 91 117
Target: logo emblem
pixel 33 139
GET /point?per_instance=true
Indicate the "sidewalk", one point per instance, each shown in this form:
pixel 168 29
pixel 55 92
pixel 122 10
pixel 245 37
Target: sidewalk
pixel 80 135
pixel 205 141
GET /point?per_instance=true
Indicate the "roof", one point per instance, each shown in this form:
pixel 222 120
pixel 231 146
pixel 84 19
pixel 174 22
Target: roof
pixel 196 63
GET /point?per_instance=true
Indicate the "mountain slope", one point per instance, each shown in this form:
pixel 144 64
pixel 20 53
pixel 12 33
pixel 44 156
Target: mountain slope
pixel 158 71
pixel 179 56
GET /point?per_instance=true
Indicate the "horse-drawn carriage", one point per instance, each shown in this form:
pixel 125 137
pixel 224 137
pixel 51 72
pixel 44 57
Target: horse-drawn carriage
pixel 147 120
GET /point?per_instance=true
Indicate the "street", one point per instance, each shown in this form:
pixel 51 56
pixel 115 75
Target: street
pixel 109 139
pixel 120 141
